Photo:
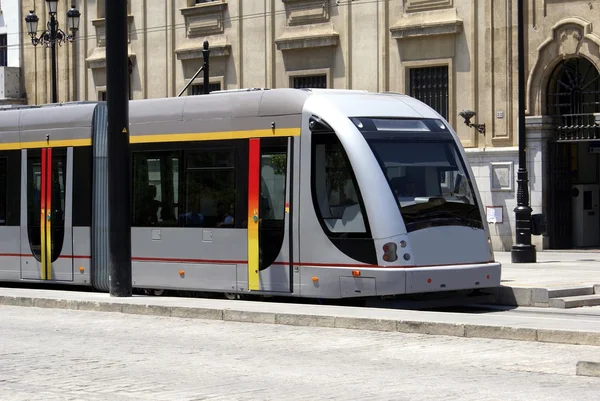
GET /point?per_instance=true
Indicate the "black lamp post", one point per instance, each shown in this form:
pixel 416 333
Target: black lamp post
pixel 523 251
pixel 53 35
pixel 205 55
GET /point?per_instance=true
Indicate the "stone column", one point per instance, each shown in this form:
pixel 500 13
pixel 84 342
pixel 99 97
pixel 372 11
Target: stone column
pixel 539 130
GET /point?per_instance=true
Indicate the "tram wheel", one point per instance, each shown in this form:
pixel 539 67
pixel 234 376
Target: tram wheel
pixel 158 293
pixel 231 295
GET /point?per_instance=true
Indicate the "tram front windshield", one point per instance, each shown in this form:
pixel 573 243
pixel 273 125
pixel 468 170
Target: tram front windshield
pixel 425 171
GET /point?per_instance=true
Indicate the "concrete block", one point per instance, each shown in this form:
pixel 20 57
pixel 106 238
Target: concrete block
pixel 54 303
pixel 568 337
pixel 501 332
pixel 196 313
pixel 539 295
pixel 16 301
pixel 305 320
pixel 365 324
pixel 570 291
pixel 513 296
pixel 433 328
pixel 585 368
pixel 597 289
pixel 575 302
pixel 155 310
pixel 100 306
pixel 249 317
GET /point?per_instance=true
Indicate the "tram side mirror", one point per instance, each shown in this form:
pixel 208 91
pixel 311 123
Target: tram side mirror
pixel 539 225
pixel 316 125
pixel 457 183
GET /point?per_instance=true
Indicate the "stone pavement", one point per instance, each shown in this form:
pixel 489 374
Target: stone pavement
pixel 563 279
pixel 51 354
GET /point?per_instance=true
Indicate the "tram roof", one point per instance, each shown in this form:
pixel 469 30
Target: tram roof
pixel 220 104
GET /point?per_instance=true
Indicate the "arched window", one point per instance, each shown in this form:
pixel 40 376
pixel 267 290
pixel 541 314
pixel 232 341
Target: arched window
pixel 573 96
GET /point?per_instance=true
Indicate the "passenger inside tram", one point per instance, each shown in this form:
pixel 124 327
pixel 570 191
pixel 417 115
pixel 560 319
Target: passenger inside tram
pixel 192 218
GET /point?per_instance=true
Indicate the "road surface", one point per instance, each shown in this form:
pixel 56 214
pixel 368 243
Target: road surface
pixel 51 354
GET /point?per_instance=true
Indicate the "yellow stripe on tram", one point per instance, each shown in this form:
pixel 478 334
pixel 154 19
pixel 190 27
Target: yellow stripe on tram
pixel 215 136
pixel 253 215
pixel 160 138
pixel 49 215
pixel 43 242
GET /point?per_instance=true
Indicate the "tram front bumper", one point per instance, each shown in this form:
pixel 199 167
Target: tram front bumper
pixel 342 282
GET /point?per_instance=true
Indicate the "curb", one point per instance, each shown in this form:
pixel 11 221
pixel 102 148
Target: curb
pixel 332 321
pixel 585 368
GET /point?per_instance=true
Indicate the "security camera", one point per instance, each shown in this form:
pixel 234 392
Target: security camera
pixel 467 115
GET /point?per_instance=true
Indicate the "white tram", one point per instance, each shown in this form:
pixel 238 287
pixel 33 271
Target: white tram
pixel 308 193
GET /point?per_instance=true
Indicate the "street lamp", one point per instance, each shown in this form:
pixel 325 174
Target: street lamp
pixel 522 251
pixel 53 34
pixel 468 115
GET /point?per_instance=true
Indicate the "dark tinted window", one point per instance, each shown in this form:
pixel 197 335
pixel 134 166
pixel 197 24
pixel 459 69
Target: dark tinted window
pixel 425 171
pixel 339 202
pixel 209 188
pixel 198 89
pixel 82 185
pixel 337 199
pixel 3 51
pixel 155 188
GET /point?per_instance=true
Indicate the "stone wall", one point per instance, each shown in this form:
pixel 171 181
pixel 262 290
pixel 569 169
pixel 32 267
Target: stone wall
pixel 495 171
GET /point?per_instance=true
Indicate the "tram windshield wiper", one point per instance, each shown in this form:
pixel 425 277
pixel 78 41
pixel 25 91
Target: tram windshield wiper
pixel 437 218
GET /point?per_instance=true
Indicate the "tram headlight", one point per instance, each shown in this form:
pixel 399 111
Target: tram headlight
pixel 389 252
pixel 491 248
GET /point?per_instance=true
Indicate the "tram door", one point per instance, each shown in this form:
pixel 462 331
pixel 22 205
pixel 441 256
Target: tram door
pixel 269 240
pixel 47 241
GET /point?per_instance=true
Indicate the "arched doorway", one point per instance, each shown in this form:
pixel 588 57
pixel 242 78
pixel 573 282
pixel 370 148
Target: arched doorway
pixel 573 97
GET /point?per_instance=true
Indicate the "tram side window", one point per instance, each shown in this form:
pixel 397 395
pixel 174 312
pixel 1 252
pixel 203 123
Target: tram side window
pixel 334 188
pixel 209 188
pixel 155 189
pixel 3 191
pixel 272 186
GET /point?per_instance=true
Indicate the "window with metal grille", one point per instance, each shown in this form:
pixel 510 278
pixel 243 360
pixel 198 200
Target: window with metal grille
pixel 430 85
pixel 310 81
pixel 3 51
pixel 199 88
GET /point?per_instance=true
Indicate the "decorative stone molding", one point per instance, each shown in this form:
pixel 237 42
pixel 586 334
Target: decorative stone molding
pixel 205 18
pixel 98 58
pixel 501 176
pixel 100 25
pixel 301 12
pixel 426 5
pixel 219 47
pixel 308 36
pixel 429 23
pixel 571 37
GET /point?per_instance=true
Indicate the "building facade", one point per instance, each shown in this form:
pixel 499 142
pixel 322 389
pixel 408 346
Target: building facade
pixel 11 88
pixel 452 54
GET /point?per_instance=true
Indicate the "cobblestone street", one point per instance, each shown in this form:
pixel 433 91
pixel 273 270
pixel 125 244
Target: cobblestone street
pixel 52 354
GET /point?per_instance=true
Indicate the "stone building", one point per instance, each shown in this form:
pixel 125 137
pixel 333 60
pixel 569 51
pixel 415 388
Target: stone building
pixel 453 54
pixel 11 90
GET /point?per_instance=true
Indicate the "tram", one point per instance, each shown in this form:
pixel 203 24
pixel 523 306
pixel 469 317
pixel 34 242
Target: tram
pixel 304 193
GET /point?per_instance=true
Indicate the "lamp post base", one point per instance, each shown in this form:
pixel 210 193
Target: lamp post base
pixel 523 254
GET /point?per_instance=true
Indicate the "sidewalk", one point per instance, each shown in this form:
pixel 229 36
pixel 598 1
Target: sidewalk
pixel 563 279
pixel 542 325
pixel 545 283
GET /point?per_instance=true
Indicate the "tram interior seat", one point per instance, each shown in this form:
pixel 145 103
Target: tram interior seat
pixel 351 222
pixel 349 214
